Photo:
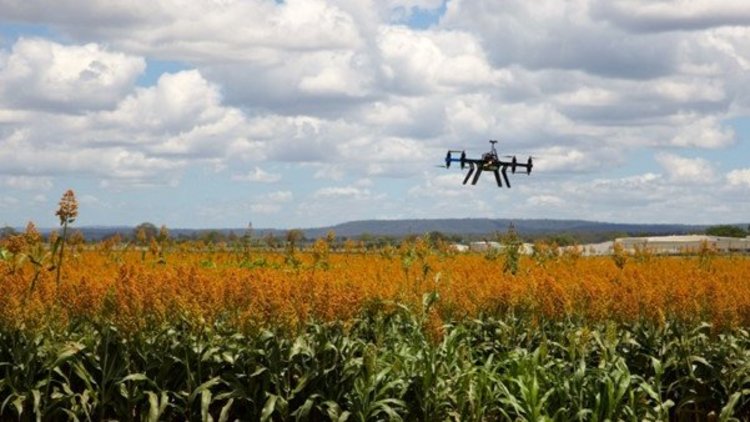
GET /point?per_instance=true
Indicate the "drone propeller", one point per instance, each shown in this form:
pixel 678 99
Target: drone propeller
pixel 513 163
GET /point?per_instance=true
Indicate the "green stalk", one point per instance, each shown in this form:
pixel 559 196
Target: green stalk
pixel 62 249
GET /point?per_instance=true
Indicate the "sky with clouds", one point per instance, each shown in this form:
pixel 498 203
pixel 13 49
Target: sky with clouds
pixel 303 113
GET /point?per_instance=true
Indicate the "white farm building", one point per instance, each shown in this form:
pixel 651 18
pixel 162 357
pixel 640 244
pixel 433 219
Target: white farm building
pixel 685 243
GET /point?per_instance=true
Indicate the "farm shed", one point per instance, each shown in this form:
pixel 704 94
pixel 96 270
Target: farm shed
pixel 685 243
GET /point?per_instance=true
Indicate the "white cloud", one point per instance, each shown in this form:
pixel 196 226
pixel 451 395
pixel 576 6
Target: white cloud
pixel 337 75
pixel 146 139
pixel 26 182
pixel 8 202
pixel 178 29
pixel 418 61
pixel 40 74
pixel 545 201
pixel 686 170
pixel 703 132
pixel 551 34
pixel 341 192
pixel 91 201
pixel 280 196
pixel 263 208
pixel 177 102
pixel 739 177
pixel 330 171
pixel 344 91
pixel 673 15
pixel 257 175
pixel 556 159
pixel 271 203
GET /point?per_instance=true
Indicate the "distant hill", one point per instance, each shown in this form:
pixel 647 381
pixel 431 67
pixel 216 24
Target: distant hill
pixel 576 231
pixel 581 230
pixel 487 226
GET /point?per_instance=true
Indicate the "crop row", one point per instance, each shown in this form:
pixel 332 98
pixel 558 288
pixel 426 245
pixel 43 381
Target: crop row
pixel 131 291
pixel 385 365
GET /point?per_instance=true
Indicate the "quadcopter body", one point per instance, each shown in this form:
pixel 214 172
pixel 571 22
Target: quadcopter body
pixel 489 161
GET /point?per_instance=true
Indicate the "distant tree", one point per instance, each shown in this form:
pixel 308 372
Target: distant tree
pixel 7 231
pixel 726 231
pixel 563 239
pixel 77 238
pixel 163 235
pixel 366 238
pixel 435 237
pixel 213 237
pixel 293 238
pixel 512 249
pixel 331 239
pixel 616 235
pixel 144 232
pixel 386 240
pixel 271 241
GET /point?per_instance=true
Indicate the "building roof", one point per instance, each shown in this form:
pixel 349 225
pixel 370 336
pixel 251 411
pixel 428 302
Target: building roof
pixel 682 238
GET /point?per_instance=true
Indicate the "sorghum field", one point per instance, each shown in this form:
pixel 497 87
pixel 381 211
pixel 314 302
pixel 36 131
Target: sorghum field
pixel 230 331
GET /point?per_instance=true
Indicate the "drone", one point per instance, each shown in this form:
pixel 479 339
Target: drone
pixel 488 162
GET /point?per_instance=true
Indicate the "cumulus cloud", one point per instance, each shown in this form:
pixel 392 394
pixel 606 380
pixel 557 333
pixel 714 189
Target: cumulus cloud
pixel 271 203
pixel 39 74
pixel 545 201
pixel 177 101
pixel 177 29
pixel 672 15
pixel 8 202
pixel 26 182
pixel 145 139
pixel 257 175
pixel 341 192
pixel 686 170
pixel 550 34
pixel 345 90
pixel 705 132
pixel 281 196
pixel 417 62
pixel 739 177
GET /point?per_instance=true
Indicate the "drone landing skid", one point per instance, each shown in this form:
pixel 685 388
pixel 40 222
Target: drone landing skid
pixel 499 181
pixel 468 175
pixel 476 175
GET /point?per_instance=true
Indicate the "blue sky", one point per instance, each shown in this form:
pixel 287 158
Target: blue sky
pixel 314 112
